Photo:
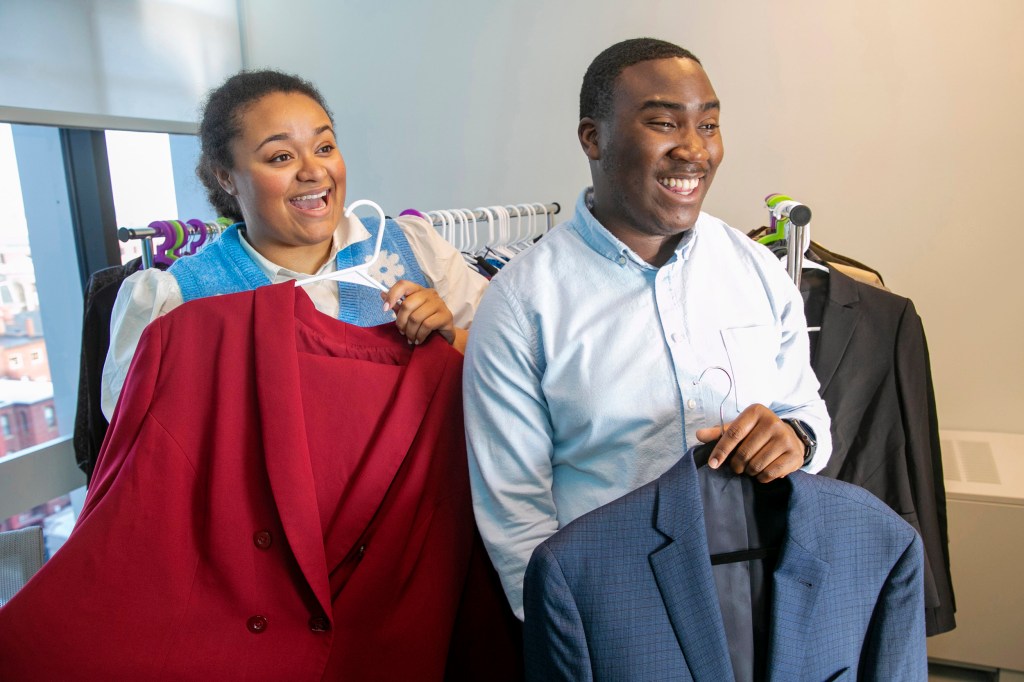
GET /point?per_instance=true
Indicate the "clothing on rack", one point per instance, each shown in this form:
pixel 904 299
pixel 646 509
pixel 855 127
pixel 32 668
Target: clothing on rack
pixel 90 423
pixel 629 591
pixel 819 254
pixel 281 496
pixel 871 359
pixel 489 236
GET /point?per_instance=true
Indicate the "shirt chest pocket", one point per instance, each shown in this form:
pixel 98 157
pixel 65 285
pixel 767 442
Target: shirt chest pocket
pixel 753 353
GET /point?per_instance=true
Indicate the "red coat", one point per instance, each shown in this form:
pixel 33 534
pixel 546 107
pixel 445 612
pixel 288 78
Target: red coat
pixel 201 551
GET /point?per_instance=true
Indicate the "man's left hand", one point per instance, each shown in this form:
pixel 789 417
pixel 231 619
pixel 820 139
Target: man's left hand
pixel 756 443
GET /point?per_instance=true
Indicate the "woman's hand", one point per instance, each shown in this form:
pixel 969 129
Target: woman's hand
pixel 420 311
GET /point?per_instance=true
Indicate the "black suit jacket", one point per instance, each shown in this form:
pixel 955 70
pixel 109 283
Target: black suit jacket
pixel 90 424
pixel 871 359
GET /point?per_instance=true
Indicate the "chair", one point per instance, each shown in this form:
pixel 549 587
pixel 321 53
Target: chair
pixel 21 555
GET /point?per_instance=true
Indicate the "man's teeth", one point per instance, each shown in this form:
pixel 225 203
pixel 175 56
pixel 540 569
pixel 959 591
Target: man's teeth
pixel 685 185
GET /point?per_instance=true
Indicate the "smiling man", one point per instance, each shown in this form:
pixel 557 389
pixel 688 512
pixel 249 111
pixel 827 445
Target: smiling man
pixel 587 374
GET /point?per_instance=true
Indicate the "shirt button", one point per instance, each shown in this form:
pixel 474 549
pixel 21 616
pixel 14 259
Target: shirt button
pixel 262 539
pixel 319 624
pixel 675 337
pixel 691 403
pixel 622 260
pixel 256 624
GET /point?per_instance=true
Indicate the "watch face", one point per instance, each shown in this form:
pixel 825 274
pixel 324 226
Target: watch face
pixel 805 438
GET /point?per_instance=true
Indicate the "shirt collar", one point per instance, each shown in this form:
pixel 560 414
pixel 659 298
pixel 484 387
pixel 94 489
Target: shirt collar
pixel 611 247
pixel 350 231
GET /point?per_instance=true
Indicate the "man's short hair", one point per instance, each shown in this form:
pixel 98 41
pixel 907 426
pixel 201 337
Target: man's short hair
pixel 599 80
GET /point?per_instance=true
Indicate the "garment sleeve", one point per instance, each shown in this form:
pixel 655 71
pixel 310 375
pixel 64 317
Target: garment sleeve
pixel 924 466
pixel 554 639
pixel 797 396
pixel 142 298
pixel 456 283
pixel 895 645
pixel 509 439
pixel 126 422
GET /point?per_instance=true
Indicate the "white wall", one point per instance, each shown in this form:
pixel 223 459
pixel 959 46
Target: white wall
pixel 897 122
pixel 93 60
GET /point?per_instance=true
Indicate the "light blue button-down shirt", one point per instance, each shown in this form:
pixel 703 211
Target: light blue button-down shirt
pixel 583 373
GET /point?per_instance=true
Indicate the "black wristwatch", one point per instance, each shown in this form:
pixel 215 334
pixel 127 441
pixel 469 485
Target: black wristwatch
pixel 806 436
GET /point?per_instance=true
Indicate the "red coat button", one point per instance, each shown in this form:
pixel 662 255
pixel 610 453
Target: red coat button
pixel 319 624
pixel 256 624
pixel 262 539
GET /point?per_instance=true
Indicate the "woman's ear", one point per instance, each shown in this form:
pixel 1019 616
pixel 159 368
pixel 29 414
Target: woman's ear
pixel 587 132
pixel 224 180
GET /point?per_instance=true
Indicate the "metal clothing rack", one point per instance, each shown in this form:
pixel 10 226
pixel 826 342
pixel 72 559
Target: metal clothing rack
pixel 465 228
pixel 146 234
pixel 440 219
pixel 790 220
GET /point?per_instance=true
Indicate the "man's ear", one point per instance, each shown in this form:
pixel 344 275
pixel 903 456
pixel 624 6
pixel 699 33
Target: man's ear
pixel 587 132
pixel 224 179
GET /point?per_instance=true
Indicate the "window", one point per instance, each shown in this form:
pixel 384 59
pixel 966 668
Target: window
pixel 168 188
pixel 151 177
pixel 37 243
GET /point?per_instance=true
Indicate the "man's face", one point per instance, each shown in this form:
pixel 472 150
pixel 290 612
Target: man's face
pixel 654 156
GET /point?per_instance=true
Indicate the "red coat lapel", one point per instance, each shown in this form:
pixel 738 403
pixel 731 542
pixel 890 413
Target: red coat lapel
pixel 279 394
pixel 284 433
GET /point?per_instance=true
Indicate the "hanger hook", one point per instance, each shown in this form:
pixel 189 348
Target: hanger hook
pixel 721 406
pixel 380 213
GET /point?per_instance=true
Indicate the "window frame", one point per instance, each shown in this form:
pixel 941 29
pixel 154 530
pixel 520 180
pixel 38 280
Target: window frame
pixel 49 470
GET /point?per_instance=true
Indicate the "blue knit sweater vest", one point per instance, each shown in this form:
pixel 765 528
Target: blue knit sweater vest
pixel 225 268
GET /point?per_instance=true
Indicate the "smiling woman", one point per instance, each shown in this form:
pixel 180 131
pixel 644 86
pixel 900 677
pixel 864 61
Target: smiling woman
pixel 270 162
pixel 316 494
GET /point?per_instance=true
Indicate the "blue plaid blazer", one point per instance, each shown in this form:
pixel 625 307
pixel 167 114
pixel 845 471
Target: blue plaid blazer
pixel 626 592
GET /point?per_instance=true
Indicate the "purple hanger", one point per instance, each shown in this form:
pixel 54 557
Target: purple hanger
pixel 201 227
pixel 412 211
pixel 167 233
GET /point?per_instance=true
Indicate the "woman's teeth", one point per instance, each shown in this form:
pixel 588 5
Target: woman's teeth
pixel 310 202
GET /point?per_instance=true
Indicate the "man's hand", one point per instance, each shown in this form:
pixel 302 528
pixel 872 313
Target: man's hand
pixel 760 444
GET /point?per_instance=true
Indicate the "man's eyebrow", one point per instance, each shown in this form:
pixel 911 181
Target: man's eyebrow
pixel 676 106
pixel 284 136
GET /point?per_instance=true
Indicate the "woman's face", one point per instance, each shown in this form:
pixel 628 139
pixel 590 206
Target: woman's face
pixel 288 174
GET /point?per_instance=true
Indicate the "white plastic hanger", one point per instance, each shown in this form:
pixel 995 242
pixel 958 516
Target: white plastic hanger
pixel 523 236
pixel 470 235
pixel 541 229
pixel 357 274
pixel 480 245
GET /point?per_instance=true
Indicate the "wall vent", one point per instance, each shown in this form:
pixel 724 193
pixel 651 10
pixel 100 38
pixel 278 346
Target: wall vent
pixel 972 461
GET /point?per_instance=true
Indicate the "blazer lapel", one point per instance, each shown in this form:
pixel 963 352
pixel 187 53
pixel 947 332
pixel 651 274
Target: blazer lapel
pixel 798 581
pixel 279 394
pixel 285 443
pixel 838 323
pixel 682 570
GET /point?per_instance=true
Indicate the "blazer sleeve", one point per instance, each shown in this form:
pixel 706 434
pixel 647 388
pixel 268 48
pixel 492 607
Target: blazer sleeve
pixel 924 464
pixel 554 638
pixel 127 420
pixel 894 648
